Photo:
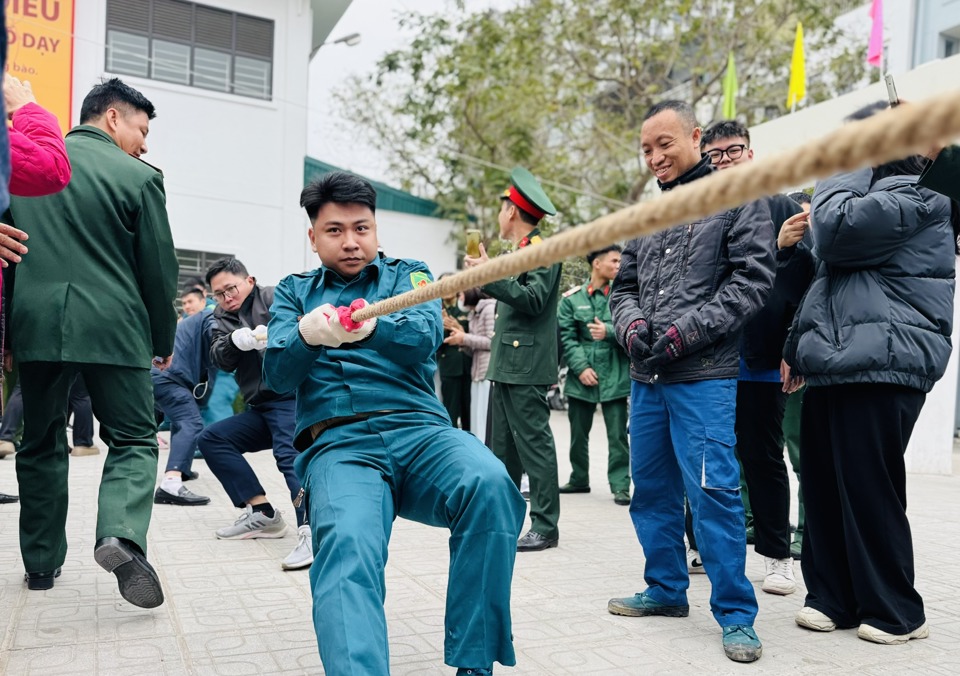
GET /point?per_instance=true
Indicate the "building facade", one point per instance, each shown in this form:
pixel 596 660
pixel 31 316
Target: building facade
pixel 229 82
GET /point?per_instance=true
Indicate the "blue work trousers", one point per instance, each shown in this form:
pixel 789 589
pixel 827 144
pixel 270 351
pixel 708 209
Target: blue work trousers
pixel 267 425
pixel 180 408
pixel 359 477
pixel 682 440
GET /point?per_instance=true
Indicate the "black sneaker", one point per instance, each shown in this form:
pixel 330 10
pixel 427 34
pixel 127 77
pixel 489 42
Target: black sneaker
pixel 183 497
pixel 136 578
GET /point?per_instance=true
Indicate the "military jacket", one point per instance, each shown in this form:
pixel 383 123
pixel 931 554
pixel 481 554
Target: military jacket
pixel 579 307
pixel 99 282
pixel 523 349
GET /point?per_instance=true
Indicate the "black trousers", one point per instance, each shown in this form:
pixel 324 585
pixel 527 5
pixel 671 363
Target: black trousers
pixel 759 426
pixel 857 548
pixel 455 393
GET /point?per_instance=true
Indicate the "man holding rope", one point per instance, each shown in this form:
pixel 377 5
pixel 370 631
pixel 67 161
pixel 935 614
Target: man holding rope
pixel 678 303
pixel 377 443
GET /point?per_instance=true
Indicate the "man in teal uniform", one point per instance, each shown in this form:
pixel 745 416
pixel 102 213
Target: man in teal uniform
pixel 377 443
pixel 599 374
pixel 523 361
pixel 95 297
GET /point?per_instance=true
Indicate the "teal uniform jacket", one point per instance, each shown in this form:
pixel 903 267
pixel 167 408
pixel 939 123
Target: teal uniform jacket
pixel 578 308
pixel 113 304
pixel 392 370
pixel 523 349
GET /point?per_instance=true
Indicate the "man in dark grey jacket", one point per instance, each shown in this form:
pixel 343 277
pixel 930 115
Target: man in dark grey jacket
pixel 678 303
pixel 239 338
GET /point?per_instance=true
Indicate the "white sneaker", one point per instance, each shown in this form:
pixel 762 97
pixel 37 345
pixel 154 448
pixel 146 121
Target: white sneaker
pixel 780 579
pixel 253 524
pixel 811 618
pixel 868 633
pixel 302 554
pixel 7 448
pixel 694 564
pixel 78 451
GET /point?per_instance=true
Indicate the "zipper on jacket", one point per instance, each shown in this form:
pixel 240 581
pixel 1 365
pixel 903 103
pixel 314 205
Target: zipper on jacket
pixel 687 239
pixel 833 315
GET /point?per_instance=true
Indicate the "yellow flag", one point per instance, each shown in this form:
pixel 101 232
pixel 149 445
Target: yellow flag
pixel 798 71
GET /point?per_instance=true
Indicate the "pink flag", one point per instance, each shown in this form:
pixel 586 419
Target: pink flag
pixel 875 47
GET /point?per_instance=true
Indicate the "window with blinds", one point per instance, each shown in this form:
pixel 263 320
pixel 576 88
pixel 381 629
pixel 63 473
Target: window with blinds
pixel 190 44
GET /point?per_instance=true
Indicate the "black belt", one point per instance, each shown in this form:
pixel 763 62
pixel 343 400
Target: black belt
pixel 318 428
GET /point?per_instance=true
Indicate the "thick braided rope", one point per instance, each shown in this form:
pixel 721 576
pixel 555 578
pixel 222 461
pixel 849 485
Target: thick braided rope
pixel 886 136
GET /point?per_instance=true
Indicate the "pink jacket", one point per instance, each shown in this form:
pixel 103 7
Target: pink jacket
pixel 477 340
pixel 38 159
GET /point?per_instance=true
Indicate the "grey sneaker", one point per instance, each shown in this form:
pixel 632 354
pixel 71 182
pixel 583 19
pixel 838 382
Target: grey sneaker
pixel 302 554
pixel 253 524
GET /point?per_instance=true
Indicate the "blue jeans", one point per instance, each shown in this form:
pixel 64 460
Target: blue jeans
pixel 267 425
pixel 180 408
pixel 359 477
pixel 682 440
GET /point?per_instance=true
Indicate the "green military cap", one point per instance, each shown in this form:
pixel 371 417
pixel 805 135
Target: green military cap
pixel 526 193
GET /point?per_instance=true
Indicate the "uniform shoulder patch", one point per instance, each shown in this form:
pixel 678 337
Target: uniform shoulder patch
pixel 572 291
pixel 419 279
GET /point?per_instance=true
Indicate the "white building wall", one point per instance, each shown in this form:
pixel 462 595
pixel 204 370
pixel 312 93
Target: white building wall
pixel 418 237
pixel 931 447
pixel 233 166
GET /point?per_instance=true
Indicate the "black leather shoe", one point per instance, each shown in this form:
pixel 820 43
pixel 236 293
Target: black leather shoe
pixel 40 581
pixel 534 542
pixel 190 476
pixel 622 498
pixel 570 488
pixel 183 497
pixel 136 578
pixel 7 499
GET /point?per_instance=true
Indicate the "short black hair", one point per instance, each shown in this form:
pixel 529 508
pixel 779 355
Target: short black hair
pixel 527 218
pixel 594 255
pixel 226 264
pixel 473 296
pixel 194 283
pixel 339 187
pixel 800 197
pixel 683 110
pixel 192 289
pixel 724 129
pixel 113 93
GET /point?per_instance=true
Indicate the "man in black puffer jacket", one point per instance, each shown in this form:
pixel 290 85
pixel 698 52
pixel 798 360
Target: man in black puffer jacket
pixel 761 400
pixel 678 304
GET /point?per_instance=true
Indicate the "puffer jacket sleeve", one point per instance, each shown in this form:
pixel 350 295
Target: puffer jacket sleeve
pixel 625 294
pixel 750 252
pixel 859 225
pixel 39 164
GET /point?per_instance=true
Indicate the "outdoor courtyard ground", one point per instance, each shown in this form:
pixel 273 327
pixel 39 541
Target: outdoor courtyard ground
pixel 231 610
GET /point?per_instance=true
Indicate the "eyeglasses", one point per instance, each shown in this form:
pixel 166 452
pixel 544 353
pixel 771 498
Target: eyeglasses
pixel 733 152
pixel 231 291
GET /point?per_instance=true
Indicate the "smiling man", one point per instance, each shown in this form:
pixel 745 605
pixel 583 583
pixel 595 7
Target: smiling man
pixel 94 296
pixel 678 303
pixel 377 444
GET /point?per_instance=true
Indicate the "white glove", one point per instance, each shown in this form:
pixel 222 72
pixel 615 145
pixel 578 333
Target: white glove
pixel 322 326
pixel 250 339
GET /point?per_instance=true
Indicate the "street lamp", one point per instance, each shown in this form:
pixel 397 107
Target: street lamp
pixel 351 40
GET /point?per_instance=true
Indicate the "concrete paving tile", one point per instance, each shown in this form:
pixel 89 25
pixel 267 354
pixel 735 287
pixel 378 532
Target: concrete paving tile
pixel 66 660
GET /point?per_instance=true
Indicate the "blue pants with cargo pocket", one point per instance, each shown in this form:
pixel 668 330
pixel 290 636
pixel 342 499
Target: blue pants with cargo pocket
pixel 358 478
pixel 682 440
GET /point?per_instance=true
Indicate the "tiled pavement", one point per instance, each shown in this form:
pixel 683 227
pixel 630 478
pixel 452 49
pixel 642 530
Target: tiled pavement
pixel 231 610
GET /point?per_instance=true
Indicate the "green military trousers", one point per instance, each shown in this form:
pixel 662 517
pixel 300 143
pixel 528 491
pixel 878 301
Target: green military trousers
pixel 122 399
pixel 580 414
pixel 522 439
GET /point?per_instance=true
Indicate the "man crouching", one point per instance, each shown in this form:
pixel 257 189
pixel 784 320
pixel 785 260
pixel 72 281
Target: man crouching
pixel 377 443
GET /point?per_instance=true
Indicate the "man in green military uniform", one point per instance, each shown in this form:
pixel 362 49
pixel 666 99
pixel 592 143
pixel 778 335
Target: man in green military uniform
pixel 523 361
pixel 599 374
pixel 94 297
pixel 454 366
